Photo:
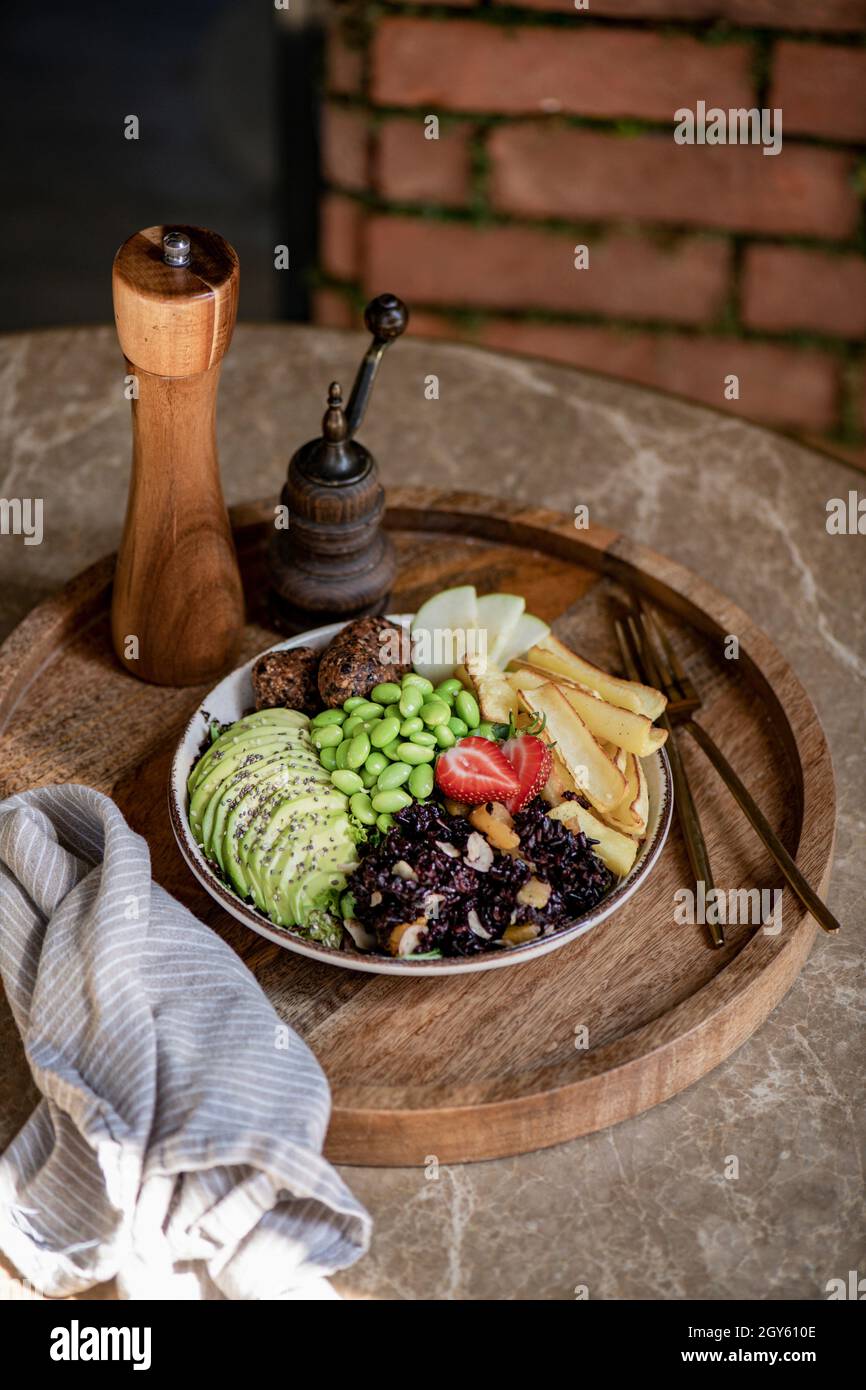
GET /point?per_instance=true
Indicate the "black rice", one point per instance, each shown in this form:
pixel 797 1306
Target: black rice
pixel 442 887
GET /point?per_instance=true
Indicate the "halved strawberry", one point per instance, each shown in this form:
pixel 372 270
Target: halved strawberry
pixel 531 759
pixel 475 771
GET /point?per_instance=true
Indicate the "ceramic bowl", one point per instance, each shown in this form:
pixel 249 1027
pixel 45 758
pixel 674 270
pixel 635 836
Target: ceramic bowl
pixel 233 697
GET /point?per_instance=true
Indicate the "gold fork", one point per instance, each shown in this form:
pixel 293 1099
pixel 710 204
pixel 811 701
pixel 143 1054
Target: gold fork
pixel 639 666
pixel 646 648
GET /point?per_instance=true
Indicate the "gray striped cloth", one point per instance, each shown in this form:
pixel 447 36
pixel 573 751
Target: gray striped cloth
pixel 178 1142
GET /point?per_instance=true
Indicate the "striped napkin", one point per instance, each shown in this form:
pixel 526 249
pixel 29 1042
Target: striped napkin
pixel 178 1142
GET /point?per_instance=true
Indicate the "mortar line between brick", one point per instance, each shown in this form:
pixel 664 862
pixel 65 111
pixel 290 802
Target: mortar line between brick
pixel 713 33
pixel 664 232
pixel 620 127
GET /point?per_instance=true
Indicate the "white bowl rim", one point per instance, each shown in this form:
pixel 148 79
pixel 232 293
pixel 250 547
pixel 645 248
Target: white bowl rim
pixel 375 964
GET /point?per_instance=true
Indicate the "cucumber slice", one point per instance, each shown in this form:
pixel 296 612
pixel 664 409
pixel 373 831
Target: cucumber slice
pixel 437 642
pixel 499 614
pixel 527 631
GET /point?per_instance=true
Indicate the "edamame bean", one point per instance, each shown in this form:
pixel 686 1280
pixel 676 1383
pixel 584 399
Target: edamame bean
pixel 328 716
pixel 391 751
pixel 352 726
pixel 411 701
pixel 369 710
pixel 452 685
pixel 414 753
pixel 388 693
pixel 369 778
pixel 328 758
pixel 444 736
pixel 435 712
pixel 376 763
pixel 485 730
pixel 343 753
pixel 467 709
pixel 424 737
pixel 391 801
pixel 384 731
pixel 359 751
pixel 353 702
pixel 384 822
pixel 457 727
pixel 348 782
pixel 440 693
pixel 395 775
pixel 327 737
pixel 420 682
pixel 421 781
pixel 362 808
pixel 411 726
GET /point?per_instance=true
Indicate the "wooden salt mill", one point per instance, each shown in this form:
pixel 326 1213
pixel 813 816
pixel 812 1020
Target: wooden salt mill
pixel 332 558
pixel 177 609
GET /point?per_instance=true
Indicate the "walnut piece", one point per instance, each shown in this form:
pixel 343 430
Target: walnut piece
pixel 405 938
pixel 517 934
pixel 479 854
pixel 534 893
pixel 496 824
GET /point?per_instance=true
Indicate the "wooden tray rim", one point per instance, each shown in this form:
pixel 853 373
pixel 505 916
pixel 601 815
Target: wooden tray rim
pixel 764 968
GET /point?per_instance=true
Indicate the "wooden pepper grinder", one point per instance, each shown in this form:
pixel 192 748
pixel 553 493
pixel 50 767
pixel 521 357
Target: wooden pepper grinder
pixel 333 559
pixel 177 609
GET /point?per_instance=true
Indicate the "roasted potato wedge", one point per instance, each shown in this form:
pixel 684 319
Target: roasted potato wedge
pixel 592 771
pixel 631 815
pixel 551 655
pixel 497 698
pixel 606 721
pixel 614 849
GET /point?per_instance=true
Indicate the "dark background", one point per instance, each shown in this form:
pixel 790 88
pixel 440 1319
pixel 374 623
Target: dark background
pixel 226 92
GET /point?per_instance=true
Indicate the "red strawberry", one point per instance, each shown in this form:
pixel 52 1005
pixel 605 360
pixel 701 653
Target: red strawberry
pixel 531 759
pixel 475 771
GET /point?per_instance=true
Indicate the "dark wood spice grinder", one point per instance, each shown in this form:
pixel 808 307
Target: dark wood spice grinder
pixel 329 556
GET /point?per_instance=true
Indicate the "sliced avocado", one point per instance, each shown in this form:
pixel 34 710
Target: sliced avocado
pixel 252 793
pixel 240 821
pixel 228 766
pixel 325 844
pixel 283 813
pixel 253 725
pixel 266 810
pixel 317 889
pixel 244 774
pixel 217 754
pixel 243 791
pixel 272 865
pixel 320 795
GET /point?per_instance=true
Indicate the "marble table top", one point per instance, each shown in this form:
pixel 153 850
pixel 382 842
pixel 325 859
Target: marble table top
pixel 643 1210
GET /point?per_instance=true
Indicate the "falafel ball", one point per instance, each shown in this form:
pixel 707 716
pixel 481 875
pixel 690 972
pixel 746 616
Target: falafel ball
pixel 288 678
pixel 363 654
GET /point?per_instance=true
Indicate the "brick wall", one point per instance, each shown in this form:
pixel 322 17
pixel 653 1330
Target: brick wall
pixel 556 130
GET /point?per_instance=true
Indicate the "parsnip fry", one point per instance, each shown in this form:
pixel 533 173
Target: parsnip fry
pixel 605 721
pixel 631 814
pixel 497 699
pixel 593 772
pixel 614 849
pixel 553 656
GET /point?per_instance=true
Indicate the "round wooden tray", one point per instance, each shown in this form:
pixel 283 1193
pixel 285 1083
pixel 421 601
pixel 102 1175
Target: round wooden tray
pixel 499 1063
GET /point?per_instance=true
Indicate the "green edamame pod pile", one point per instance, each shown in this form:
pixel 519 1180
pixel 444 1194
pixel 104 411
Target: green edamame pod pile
pixel 380 750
